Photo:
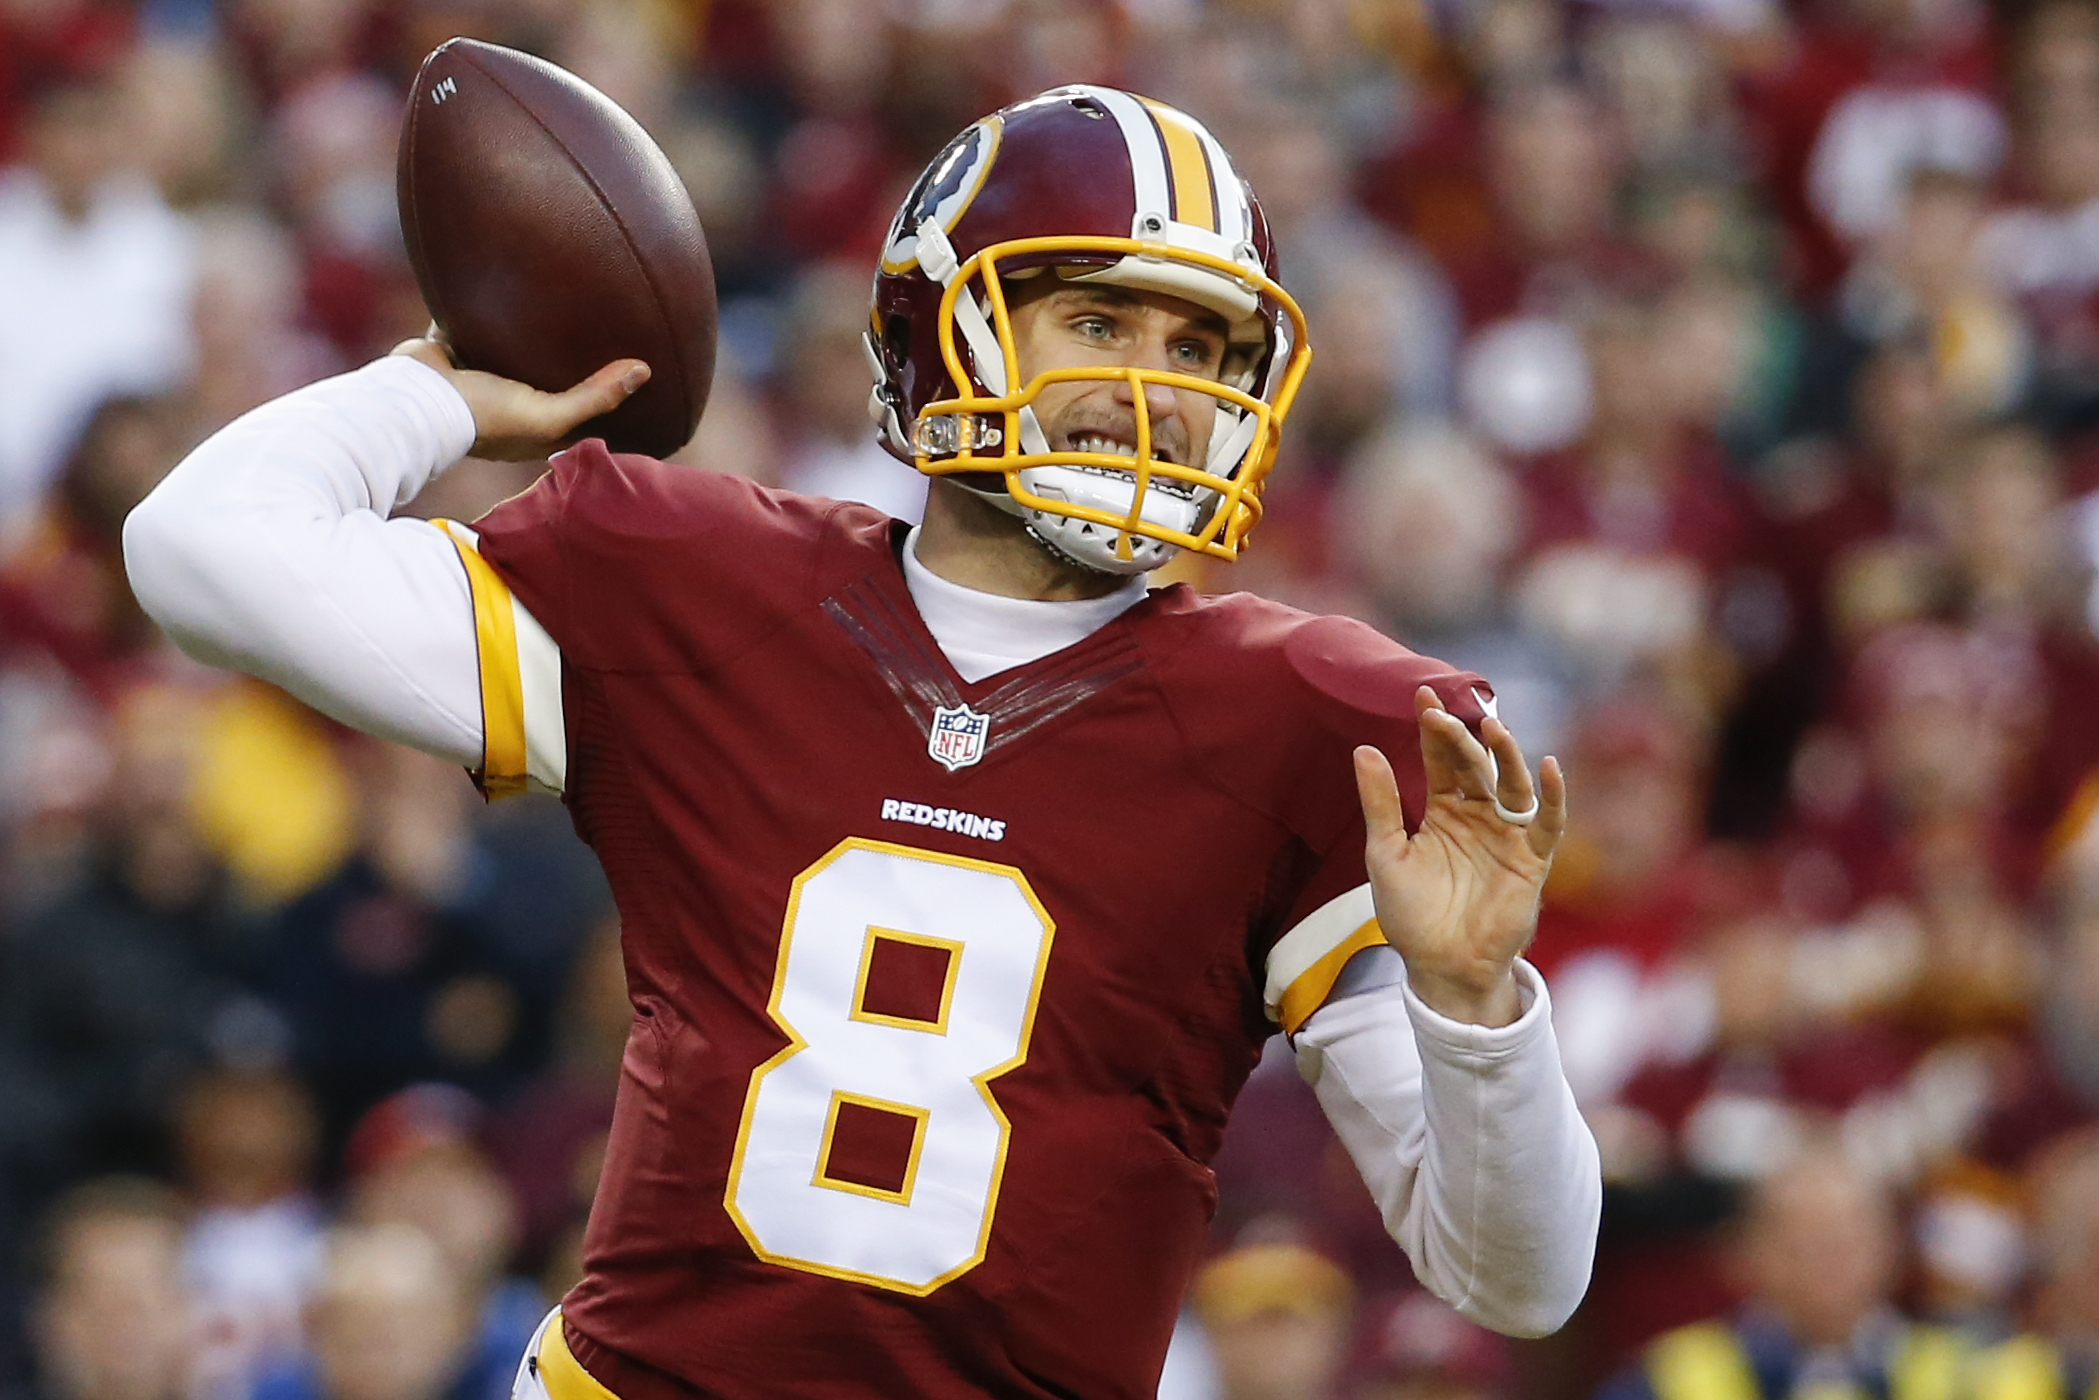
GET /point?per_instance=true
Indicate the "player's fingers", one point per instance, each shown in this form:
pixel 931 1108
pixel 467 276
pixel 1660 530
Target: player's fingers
pixel 1452 759
pixel 1436 757
pixel 1551 824
pixel 1378 790
pixel 601 393
pixel 1512 778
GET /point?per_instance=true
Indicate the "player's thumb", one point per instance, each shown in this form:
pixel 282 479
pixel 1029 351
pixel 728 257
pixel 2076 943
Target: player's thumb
pixel 601 393
pixel 1377 788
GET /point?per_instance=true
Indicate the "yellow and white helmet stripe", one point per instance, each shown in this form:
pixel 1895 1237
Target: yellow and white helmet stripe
pixel 1179 171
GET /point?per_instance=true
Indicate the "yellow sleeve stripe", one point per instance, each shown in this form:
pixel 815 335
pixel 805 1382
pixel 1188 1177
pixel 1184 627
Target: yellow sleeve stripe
pixel 560 1372
pixel 1306 960
pixel 1310 991
pixel 503 767
pixel 1193 200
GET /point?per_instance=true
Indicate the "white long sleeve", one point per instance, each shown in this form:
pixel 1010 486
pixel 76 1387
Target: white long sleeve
pixel 1470 1141
pixel 268 550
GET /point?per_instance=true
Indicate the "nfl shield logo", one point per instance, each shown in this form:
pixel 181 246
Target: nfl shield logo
pixel 957 739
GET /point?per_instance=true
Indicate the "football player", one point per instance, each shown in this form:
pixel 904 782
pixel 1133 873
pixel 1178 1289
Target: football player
pixel 963 877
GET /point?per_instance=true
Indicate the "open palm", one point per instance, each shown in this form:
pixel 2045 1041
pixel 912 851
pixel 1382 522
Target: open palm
pixel 1459 898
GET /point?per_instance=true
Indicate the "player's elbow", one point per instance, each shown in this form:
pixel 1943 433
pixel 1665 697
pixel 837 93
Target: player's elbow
pixel 1527 1292
pixel 1541 1287
pixel 1519 1287
pixel 156 550
pixel 178 569
pixel 1527 1279
pixel 1529 1326
pixel 1531 1313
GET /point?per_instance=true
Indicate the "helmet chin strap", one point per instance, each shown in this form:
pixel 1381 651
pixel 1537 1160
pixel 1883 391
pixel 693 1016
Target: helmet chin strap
pixel 1033 521
pixel 1059 555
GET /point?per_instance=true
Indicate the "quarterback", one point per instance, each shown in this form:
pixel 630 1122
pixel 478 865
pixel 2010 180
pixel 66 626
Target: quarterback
pixel 963 877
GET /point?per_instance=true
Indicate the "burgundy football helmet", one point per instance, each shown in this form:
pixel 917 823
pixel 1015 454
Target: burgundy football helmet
pixel 1092 185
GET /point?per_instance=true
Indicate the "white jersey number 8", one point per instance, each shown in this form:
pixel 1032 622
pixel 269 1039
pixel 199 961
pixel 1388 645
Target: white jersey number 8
pixel 907 983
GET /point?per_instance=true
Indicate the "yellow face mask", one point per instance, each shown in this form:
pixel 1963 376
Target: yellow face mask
pixel 1125 498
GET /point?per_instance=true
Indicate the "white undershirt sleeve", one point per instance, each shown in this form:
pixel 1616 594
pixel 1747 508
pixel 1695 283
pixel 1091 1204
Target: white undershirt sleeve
pixel 268 550
pixel 1470 1141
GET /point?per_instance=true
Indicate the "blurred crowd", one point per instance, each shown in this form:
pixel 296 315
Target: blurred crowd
pixel 1718 377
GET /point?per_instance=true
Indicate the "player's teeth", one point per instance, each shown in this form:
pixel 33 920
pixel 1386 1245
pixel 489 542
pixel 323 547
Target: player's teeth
pixel 1111 447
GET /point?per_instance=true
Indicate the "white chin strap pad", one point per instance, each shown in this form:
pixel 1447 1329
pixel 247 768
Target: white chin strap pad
pixel 1097 546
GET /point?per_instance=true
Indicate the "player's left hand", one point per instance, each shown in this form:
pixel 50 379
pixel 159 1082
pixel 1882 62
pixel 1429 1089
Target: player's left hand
pixel 1459 898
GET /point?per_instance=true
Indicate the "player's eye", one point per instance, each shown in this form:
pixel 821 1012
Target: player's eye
pixel 1197 356
pixel 1096 328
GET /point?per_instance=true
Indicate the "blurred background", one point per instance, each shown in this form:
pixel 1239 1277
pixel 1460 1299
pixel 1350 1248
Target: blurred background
pixel 1719 377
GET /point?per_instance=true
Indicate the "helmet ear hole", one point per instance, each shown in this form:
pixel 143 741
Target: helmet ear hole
pixel 896 340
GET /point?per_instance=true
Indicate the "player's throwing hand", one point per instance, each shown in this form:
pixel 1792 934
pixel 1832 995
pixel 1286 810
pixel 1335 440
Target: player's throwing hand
pixel 514 422
pixel 1459 898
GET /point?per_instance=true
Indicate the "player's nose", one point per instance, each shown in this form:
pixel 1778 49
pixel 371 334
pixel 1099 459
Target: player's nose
pixel 1159 400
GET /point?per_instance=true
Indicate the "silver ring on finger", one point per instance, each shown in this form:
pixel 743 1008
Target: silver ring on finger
pixel 1522 818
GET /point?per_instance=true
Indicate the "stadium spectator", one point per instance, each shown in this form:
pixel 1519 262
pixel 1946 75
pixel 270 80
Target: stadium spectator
pixel 1920 277
pixel 1278 1317
pixel 246 318
pixel 830 451
pixel 1628 895
pixel 1862 98
pixel 2042 247
pixel 2054 1358
pixel 389 1321
pixel 1416 1347
pixel 63 594
pixel 248 1141
pixel 389 971
pixel 1426 521
pixel 110 994
pixel 96 275
pixel 550 1136
pixel 111 1321
pixel 1817 1260
pixel 444 1187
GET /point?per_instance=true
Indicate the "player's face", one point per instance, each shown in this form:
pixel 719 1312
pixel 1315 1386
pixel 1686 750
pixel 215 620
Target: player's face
pixel 1058 326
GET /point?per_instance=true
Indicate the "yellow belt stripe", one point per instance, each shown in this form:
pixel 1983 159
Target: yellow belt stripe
pixel 502 683
pixel 560 1372
pixel 1309 992
pixel 1190 168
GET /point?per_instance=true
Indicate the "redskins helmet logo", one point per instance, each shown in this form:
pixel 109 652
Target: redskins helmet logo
pixel 943 193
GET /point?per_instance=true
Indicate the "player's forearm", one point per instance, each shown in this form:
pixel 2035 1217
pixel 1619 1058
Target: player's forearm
pixel 1470 1141
pixel 268 550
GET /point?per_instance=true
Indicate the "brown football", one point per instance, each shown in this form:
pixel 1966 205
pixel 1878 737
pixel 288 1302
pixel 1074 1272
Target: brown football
pixel 550 236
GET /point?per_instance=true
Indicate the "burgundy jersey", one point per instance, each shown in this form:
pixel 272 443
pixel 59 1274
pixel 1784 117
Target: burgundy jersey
pixel 942 989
